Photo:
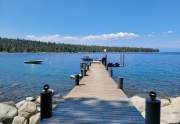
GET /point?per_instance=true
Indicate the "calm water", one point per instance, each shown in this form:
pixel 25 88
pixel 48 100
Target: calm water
pixel 142 73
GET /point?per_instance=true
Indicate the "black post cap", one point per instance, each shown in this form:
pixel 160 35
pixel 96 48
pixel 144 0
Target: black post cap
pixel 152 95
pixel 46 87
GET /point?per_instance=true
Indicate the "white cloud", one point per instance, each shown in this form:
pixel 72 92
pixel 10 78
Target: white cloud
pixel 152 34
pixel 168 32
pixel 80 39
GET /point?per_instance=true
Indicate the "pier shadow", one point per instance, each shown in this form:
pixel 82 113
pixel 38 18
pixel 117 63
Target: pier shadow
pixel 94 111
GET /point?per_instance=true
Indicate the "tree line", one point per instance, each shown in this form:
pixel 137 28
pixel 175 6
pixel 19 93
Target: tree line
pixel 23 45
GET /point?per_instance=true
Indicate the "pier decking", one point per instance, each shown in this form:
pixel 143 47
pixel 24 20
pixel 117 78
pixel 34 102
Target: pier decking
pixel 96 100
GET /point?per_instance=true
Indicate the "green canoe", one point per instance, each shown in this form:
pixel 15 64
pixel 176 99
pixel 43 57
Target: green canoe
pixel 33 61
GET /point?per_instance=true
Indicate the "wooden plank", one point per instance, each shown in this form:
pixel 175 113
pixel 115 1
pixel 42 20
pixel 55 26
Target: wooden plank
pixel 95 111
pixel 96 100
pixel 98 84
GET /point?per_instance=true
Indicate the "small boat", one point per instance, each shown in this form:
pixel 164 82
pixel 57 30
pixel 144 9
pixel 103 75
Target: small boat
pixel 87 58
pixel 113 65
pixel 34 61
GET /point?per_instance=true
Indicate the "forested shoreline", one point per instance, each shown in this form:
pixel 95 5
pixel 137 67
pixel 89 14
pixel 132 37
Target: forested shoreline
pixel 22 45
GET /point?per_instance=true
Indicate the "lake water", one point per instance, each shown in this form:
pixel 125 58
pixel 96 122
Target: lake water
pixel 142 73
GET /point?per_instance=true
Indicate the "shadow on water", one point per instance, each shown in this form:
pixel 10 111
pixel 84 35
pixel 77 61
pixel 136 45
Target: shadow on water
pixel 91 110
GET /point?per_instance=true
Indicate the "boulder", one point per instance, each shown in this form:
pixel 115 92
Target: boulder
pixel 143 114
pixel 38 108
pixel 12 103
pixel 30 98
pixel 19 104
pixel 176 103
pixel 138 102
pixel 7 112
pixel 165 102
pixel 27 109
pixel 38 99
pixel 170 115
pixel 35 119
pixel 19 120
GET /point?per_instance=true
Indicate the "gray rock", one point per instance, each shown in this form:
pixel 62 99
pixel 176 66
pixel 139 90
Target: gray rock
pixel 30 98
pixel 27 109
pixel 7 112
pixel 19 104
pixel 171 114
pixel 38 99
pixel 35 119
pixel 12 103
pixel 19 120
pixel 165 102
pixel 138 102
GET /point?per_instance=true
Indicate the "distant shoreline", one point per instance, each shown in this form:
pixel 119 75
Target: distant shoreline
pixel 23 45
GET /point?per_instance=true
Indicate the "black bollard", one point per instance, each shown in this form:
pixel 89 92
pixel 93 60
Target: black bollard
pixel 85 71
pixel 87 67
pixel 110 71
pixel 84 65
pixel 81 65
pixel 77 79
pixel 105 61
pixel 106 67
pixel 153 109
pixel 120 82
pixel 82 73
pixel 46 103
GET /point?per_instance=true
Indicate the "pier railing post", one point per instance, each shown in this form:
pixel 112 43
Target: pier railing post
pixel 107 66
pixel 153 108
pixel 87 67
pixel 104 61
pixel 84 65
pixel 77 79
pixel 120 82
pixel 83 72
pixel 81 65
pixel 46 102
pixel 110 71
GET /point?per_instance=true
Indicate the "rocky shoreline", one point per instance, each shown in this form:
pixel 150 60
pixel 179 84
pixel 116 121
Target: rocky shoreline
pixel 170 109
pixel 24 112
pixel 28 111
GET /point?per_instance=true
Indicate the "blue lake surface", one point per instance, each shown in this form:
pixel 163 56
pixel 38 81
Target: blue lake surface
pixel 142 73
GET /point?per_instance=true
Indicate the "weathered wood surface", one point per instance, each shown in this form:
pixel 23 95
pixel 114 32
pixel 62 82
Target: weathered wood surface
pixel 96 100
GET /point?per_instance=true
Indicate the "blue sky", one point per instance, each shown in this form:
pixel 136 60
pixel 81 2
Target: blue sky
pixel 139 23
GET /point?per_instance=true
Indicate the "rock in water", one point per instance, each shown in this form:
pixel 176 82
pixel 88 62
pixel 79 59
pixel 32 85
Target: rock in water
pixel 38 100
pixel 35 119
pixel 171 114
pixel 19 120
pixel 27 109
pixel 12 103
pixel 7 112
pixel 30 98
pixel 19 104
pixel 165 102
pixel 138 102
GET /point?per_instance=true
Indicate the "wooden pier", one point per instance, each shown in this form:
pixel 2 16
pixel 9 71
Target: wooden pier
pixel 97 100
